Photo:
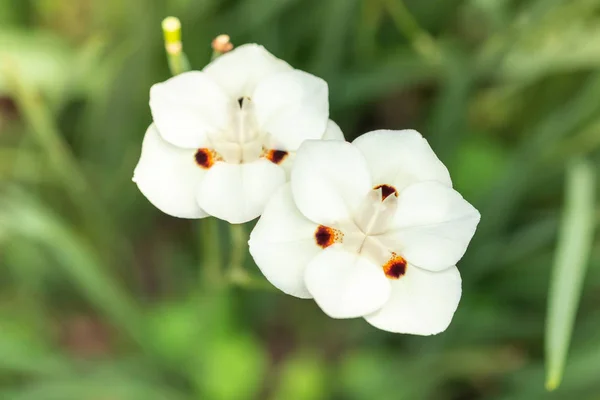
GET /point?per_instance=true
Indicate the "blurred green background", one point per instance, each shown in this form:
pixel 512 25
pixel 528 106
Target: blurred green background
pixel 102 297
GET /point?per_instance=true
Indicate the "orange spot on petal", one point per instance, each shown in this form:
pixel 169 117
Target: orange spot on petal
pixel 276 156
pixel 205 158
pixel 395 267
pixel 326 236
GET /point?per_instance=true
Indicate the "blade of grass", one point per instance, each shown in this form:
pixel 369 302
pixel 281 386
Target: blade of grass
pixel 419 38
pixel 571 260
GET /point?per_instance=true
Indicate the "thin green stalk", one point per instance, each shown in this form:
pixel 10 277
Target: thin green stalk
pixel 575 240
pixel 239 246
pixel 237 274
pixel 420 39
pixel 40 120
pixel 178 62
pixel 211 252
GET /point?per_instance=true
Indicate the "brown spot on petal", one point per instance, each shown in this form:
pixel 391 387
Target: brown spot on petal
pixel 395 267
pixel 386 190
pixel 326 236
pixel 276 156
pixel 205 158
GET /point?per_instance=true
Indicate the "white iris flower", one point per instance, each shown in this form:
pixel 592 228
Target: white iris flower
pixel 370 229
pixel 223 137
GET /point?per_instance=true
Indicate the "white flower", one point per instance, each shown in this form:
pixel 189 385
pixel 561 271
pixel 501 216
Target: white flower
pixel 370 229
pixel 223 137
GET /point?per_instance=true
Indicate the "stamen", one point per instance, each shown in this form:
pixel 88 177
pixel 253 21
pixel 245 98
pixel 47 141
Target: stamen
pixel 326 236
pixel 395 267
pixel 241 102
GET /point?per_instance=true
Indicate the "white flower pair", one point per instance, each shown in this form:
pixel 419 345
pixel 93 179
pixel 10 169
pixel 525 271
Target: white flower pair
pixel 223 138
pixel 368 229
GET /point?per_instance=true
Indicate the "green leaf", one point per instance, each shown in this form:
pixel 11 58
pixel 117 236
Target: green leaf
pixel 571 259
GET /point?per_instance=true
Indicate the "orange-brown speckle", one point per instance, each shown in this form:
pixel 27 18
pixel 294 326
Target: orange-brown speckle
pixel 205 158
pixel 386 190
pixel 326 236
pixel 276 156
pixel 395 267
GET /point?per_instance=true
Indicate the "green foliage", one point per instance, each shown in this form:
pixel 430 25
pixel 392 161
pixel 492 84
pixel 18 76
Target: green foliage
pixel 507 93
pixel 572 254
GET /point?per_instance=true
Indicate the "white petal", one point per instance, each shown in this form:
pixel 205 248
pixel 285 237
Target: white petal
pixel 400 158
pixel 346 285
pixel 292 106
pixel 239 71
pixel 421 302
pixel 187 107
pixel 329 180
pixel 168 176
pixel 238 193
pixel 432 227
pixel 282 243
pixel 333 132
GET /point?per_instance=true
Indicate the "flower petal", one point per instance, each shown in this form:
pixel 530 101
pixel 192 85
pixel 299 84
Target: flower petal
pixel 239 71
pixel 292 106
pixel 346 285
pixel 238 193
pixel 421 302
pixel 188 107
pixel 329 180
pixel 333 132
pixel 400 158
pixel 168 176
pixel 282 244
pixel 432 227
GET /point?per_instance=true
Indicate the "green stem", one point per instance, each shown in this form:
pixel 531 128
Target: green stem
pixel 237 274
pixel 40 120
pixel 420 39
pixel 239 246
pixel 178 63
pixel 211 252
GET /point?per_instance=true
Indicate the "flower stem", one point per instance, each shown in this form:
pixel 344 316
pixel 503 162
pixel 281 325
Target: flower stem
pixel 177 59
pixel 420 39
pixel 211 252
pixel 237 274
pixel 239 240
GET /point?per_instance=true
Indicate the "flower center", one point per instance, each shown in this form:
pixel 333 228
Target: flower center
pixel 361 235
pixel 242 141
pixel 376 210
